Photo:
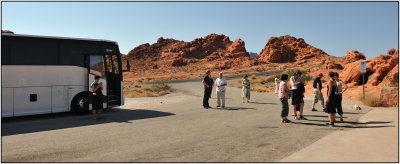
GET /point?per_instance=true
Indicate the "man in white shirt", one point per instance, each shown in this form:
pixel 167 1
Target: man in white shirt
pixel 220 86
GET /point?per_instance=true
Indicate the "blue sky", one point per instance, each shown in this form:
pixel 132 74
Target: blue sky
pixel 335 27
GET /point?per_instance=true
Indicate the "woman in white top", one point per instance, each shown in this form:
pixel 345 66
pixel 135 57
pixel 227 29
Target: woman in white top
pixel 297 96
pixel 338 95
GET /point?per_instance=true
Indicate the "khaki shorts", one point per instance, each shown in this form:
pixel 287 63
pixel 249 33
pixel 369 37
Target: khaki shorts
pixel 318 96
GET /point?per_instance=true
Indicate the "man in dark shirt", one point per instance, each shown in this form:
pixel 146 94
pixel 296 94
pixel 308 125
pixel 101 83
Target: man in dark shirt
pixel 208 85
pixel 317 92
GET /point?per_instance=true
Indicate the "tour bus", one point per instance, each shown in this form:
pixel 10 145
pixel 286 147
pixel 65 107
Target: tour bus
pixel 42 74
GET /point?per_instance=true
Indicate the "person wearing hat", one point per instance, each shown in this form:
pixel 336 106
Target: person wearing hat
pixel 208 85
pixel 220 83
pixel 317 85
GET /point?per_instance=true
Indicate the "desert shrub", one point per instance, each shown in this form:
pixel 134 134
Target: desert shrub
pixel 306 77
pixel 160 88
pixel 289 72
pixel 271 78
pixel 395 81
pixel 371 100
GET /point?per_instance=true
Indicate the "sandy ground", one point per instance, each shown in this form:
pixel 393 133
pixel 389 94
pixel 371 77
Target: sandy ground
pixel 177 130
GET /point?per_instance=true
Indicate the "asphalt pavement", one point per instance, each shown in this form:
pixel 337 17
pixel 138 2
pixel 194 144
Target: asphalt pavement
pixel 177 131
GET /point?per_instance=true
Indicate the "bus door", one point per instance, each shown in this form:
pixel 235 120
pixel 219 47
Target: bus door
pixel 114 78
pixel 96 67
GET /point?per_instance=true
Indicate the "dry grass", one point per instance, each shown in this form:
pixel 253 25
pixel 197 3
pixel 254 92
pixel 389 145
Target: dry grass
pixel 371 100
pixel 133 90
pixel 267 83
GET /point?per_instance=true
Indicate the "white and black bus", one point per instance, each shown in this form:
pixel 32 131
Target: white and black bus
pixel 43 74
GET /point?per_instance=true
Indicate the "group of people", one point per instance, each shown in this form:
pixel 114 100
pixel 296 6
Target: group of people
pixel 220 83
pixel 296 90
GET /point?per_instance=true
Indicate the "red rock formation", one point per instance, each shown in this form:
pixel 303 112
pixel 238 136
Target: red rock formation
pixel 377 69
pixel 289 49
pixel 213 52
pixel 353 56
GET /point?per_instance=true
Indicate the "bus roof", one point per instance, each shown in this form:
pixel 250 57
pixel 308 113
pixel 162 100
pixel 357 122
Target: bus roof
pixel 55 37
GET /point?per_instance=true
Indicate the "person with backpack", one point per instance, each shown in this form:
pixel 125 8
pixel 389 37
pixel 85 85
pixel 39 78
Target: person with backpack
pixel 297 94
pixel 338 93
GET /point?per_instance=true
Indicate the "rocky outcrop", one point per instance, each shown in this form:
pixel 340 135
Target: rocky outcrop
pixel 213 52
pixel 289 49
pixel 352 56
pixel 378 70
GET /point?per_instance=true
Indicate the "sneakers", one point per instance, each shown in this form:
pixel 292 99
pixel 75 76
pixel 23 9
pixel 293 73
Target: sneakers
pixel 330 124
pixel 302 118
pixel 222 106
pixel 314 110
pixel 218 106
pixel 285 121
pixel 341 120
pixel 296 118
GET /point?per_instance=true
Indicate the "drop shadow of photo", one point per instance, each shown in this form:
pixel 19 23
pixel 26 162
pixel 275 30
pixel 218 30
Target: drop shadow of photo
pixel 30 124
pixel 262 103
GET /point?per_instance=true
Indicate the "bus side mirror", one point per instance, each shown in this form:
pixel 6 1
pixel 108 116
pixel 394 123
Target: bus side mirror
pixel 128 67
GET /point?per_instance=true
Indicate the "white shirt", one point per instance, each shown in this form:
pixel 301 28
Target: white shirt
pixel 294 81
pixel 276 82
pixel 220 82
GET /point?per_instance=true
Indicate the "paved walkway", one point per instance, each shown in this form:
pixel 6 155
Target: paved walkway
pixel 375 141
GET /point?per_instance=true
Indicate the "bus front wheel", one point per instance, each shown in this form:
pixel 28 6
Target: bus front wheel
pixel 80 104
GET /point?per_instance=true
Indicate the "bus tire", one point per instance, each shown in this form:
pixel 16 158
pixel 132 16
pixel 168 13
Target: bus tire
pixel 80 104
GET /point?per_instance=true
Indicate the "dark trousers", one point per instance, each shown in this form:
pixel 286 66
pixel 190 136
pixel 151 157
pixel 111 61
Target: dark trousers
pixel 285 107
pixel 207 94
pixel 338 104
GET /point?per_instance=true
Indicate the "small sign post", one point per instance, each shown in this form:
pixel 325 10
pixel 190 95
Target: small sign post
pixel 363 69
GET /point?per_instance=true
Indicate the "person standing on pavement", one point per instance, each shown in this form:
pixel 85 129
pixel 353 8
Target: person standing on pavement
pixel 97 97
pixel 283 97
pixel 330 101
pixel 297 94
pixel 208 85
pixel 246 89
pixel 220 83
pixel 339 92
pixel 317 85
pixel 276 85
